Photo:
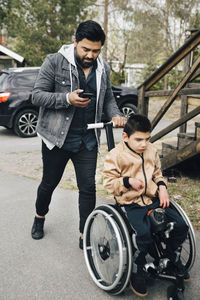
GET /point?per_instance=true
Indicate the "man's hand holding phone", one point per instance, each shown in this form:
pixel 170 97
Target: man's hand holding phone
pixel 86 95
pixel 79 98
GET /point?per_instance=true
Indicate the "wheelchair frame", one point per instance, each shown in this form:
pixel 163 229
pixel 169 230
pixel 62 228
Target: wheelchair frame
pixel 107 241
pixel 108 248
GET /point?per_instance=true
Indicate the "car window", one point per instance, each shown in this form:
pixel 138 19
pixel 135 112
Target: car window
pixel 3 80
pixel 26 80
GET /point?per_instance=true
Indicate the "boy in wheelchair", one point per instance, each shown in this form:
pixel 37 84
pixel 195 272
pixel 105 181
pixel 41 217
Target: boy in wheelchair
pixel 133 175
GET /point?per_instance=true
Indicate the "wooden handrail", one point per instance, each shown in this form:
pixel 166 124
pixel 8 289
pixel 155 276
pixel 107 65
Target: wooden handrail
pixel 187 47
pixel 176 124
pixel 164 93
pixel 184 88
pixel 171 99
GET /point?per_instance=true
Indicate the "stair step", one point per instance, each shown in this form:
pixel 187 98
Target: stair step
pixel 197 130
pixel 185 139
pixel 168 148
pixel 181 156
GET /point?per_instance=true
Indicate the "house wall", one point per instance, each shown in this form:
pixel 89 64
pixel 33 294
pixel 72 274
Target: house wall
pixel 133 76
pixel 133 73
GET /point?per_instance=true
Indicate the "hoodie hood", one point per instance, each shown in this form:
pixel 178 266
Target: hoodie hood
pixel 68 52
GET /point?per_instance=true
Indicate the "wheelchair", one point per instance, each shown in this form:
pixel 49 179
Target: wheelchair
pixel 109 248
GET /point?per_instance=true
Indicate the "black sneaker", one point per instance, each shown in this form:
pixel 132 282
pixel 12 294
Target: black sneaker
pixel 138 284
pixel 81 243
pixel 37 231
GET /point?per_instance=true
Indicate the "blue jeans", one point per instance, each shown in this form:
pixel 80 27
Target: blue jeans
pixel 139 220
pixel 54 163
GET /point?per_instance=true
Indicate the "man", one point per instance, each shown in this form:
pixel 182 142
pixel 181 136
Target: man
pixel 64 115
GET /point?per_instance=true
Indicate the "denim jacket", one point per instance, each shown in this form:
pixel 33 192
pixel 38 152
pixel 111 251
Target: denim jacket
pixel 57 77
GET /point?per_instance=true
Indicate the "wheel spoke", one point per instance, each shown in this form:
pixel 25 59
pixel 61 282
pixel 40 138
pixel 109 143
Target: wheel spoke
pixel 127 111
pixel 28 123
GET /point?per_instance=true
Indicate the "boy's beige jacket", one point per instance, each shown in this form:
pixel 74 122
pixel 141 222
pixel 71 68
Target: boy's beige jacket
pixel 122 162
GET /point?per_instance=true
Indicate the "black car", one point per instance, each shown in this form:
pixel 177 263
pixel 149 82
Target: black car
pixel 18 113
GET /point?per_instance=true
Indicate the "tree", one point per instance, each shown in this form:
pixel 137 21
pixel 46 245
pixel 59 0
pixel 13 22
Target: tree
pixel 160 29
pixel 116 22
pixel 4 5
pixel 4 9
pixel 41 27
pixel 145 31
pixel 138 31
pixel 105 50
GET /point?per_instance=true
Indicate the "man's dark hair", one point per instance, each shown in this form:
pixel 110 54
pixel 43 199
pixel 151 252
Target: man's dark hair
pixel 137 122
pixel 91 31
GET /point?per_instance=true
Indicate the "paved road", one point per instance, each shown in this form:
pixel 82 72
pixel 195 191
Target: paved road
pixel 54 267
pixel 11 143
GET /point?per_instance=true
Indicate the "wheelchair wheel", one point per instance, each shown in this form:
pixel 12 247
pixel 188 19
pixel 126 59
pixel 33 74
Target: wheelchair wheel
pixel 107 249
pixel 188 253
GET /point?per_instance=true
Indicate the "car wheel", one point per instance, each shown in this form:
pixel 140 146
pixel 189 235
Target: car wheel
pixel 128 109
pixel 25 123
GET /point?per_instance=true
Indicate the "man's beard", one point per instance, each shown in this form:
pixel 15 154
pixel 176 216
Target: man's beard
pixel 85 64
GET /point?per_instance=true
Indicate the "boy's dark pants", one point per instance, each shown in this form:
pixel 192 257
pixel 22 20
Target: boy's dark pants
pixel 54 162
pixel 139 220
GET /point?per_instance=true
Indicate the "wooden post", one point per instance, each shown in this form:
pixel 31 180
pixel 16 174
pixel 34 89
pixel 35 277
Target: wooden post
pixel 184 110
pixel 184 100
pixel 142 104
pixel 146 106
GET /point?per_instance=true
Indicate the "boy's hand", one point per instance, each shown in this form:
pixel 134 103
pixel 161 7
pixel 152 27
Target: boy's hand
pixel 163 196
pixel 136 184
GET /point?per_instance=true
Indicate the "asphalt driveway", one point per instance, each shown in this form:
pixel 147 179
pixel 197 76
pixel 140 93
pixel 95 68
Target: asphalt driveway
pixel 53 268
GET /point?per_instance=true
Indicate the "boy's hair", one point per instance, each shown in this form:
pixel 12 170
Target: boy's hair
pixel 91 31
pixel 137 122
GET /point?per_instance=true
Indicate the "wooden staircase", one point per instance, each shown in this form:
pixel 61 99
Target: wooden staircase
pixel 187 146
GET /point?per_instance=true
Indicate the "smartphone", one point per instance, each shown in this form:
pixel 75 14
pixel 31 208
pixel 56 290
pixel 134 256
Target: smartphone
pixel 86 95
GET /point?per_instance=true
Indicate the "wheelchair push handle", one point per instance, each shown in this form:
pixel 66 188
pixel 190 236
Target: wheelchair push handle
pixel 109 132
pixel 100 125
